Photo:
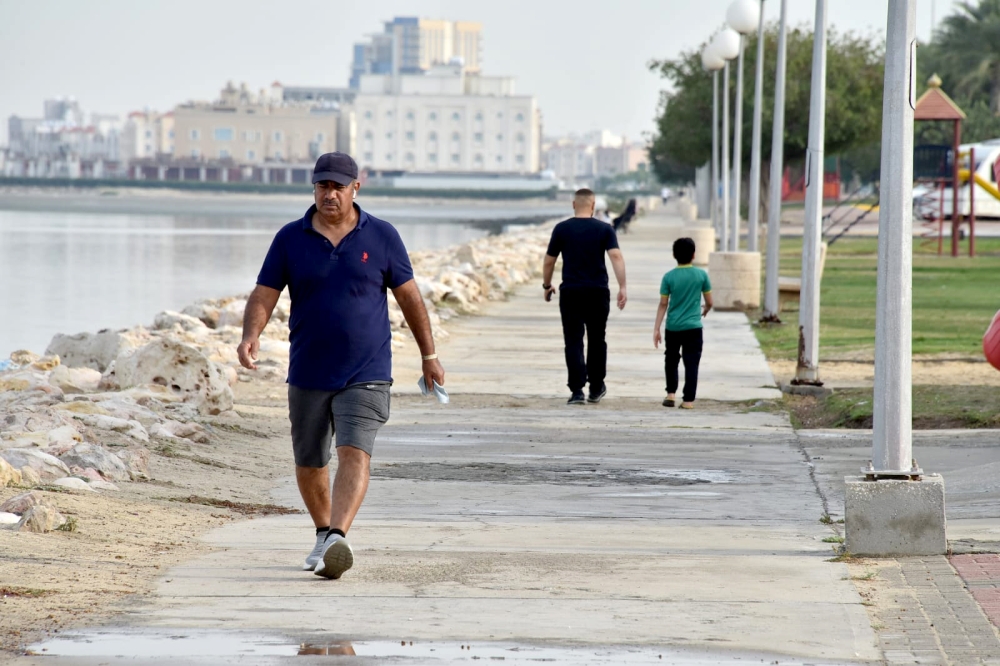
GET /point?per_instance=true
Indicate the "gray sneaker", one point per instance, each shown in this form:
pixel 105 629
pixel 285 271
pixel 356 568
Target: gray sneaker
pixel 336 559
pixel 317 552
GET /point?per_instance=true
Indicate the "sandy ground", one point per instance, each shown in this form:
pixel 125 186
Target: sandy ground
pixel 861 373
pixel 124 540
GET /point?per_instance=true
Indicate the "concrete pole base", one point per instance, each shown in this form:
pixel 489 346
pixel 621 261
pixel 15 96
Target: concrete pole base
pixel 890 518
pixel 704 242
pixel 735 280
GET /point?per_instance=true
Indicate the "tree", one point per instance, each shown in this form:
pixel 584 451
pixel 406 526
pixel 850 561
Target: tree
pixel 965 52
pixel 853 106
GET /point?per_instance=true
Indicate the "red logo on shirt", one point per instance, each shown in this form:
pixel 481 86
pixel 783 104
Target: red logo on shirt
pixel 364 257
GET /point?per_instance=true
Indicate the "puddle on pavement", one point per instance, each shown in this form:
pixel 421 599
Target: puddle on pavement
pixel 217 647
pixel 591 474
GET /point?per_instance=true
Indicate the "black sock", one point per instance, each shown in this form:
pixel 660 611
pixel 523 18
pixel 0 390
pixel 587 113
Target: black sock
pixel 336 531
pixel 322 530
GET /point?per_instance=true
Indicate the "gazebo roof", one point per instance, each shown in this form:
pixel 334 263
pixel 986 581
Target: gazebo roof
pixel 936 105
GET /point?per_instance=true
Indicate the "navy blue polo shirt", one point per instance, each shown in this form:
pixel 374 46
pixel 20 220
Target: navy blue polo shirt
pixel 339 322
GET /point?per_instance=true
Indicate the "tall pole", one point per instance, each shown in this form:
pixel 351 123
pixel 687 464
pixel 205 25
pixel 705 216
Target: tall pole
pixel 734 219
pixel 771 295
pixel 807 370
pixel 715 150
pixel 758 103
pixel 892 408
pixel 723 243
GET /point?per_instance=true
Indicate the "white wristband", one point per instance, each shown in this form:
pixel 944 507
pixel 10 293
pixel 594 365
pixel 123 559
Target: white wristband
pixel 429 357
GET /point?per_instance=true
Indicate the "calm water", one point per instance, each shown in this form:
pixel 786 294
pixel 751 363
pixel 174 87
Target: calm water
pixel 111 266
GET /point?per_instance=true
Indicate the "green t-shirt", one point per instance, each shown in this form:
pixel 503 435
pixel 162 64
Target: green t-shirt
pixel 684 285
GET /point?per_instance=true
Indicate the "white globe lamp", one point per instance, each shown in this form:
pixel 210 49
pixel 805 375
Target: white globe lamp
pixel 726 44
pixel 711 60
pixel 743 16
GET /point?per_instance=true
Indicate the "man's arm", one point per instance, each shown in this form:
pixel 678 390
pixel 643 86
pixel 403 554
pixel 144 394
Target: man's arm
pixel 661 311
pixel 618 263
pixel 412 304
pixel 548 268
pixel 708 303
pixel 260 305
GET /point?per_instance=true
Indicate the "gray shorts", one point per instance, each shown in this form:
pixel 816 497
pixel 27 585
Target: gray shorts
pixel 354 413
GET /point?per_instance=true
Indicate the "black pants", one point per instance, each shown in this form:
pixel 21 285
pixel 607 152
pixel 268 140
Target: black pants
pixel 585 310
pixel 686 345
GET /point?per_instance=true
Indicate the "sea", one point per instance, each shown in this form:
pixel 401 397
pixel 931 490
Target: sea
pixel 74 262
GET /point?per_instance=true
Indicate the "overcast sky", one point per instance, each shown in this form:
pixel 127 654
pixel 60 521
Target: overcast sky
pixel 585 60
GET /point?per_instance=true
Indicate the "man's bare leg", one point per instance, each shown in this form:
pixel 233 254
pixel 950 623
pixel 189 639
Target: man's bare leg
pixel 349 486
pixel 314 486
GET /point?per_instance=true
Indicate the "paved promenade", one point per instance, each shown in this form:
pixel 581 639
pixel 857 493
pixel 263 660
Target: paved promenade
pixel 526 529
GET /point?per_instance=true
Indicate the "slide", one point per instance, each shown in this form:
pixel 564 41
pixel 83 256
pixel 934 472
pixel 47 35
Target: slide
pixel 963 175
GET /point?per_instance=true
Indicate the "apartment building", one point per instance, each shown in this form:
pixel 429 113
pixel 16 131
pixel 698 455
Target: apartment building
pixel 446 121
pixel 410 45
pixel 247 128
pixel 147 135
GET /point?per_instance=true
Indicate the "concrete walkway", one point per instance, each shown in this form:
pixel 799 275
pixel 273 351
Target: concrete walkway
pixel 508 521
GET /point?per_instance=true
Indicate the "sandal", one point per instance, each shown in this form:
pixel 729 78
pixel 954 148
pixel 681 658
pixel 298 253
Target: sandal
pixel 667 402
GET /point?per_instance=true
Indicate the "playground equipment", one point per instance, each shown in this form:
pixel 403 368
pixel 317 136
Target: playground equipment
pixel 991 342
pixel 939 175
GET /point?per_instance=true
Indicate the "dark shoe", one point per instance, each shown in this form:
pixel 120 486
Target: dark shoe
pixel 667 402
pixel 595 398
pixel 576 399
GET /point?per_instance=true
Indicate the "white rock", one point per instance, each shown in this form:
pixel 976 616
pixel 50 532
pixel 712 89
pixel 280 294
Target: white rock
pixel 169 319
pixel 94 350
pixel 75 380
pixel 232 314
pixel 73 483
pixel 29 477
pixel 104 485
pixel 40 518
pixel 49 468
pixel 133 429
pixel 64 434
pixel 108 464
pixel 9 475
pixel 9 518
pixel 182 369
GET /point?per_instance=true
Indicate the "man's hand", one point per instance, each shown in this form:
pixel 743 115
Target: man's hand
pixel 433 372
pixel 705 309
pixel 622 298
pixel 657 338
pixel 548 293
pixel 247 351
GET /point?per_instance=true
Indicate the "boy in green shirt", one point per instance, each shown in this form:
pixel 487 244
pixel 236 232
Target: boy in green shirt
pixel 681 290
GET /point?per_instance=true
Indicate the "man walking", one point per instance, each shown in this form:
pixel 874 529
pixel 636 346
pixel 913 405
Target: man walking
pixel 337 262
pixel 584 297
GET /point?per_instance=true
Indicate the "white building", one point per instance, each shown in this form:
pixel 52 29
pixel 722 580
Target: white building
pixel 445 121
pixel 599 154
pixel 147 135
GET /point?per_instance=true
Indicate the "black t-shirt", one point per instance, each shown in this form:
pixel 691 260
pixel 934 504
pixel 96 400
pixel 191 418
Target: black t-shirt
pixel 583 242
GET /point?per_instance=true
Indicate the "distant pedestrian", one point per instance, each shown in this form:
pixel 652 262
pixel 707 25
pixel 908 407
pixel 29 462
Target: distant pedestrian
pixel 337 262
pixel 584 297
pixel 681 293
pixel 603 216
pixel 665 194
pixel 621 222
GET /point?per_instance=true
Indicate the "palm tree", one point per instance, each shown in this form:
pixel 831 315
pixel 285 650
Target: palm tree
pixel 966 51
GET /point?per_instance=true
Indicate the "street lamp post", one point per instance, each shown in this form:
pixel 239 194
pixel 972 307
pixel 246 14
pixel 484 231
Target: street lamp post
pixel 891 417
pixel 754 215
pixel 807 370
pixel 727 45
pixel 713 62
pixel 771 295
pixel 743 17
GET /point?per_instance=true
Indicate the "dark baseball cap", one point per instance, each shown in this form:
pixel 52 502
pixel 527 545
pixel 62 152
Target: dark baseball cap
pixel 338 167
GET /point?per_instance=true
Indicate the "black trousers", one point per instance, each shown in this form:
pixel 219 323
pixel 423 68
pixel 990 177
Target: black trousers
pixel 686 345
pixel 585 310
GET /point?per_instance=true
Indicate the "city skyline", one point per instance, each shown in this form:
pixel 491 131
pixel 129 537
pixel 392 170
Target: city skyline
pixel 587 80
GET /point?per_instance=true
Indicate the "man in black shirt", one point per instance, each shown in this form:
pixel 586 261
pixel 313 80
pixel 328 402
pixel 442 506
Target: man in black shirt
pixel 584 297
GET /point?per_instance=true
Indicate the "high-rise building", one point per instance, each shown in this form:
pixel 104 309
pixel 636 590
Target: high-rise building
pixel 410 45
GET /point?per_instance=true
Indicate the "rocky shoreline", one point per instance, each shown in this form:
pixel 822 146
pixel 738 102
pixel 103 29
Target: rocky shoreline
pixel 84 417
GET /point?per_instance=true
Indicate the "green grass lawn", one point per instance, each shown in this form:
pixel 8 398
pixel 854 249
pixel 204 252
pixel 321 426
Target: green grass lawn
pixel 954 300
